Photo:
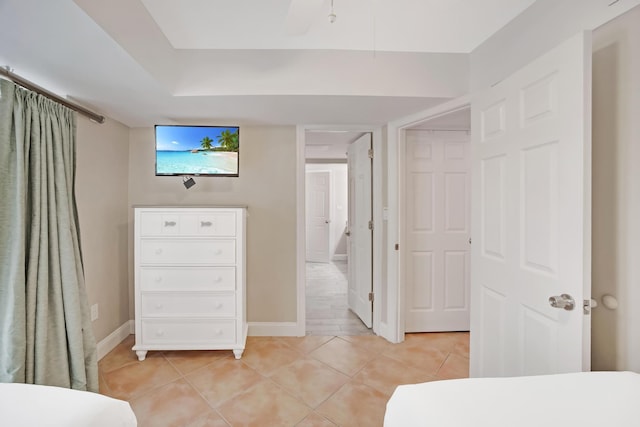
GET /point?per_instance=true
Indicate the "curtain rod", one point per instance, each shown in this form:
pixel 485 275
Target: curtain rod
pixel 6 71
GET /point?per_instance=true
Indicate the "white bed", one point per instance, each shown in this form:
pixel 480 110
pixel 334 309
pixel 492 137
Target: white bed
pixel 581 399
pixel 25 405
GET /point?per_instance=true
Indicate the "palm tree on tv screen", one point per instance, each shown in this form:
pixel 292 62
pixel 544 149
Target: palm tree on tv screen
pixel 228 140
pixel 206 143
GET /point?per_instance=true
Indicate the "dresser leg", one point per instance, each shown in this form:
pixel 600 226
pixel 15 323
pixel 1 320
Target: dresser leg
pixel 141 354
pixel 238 353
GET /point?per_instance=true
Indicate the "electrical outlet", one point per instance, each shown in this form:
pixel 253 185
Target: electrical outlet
pixel 94 312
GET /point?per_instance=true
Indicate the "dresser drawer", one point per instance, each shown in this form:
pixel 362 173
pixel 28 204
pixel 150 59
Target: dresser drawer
pixel 187 278
pixel 182 331
pixel 187 251
pixel 193 304
pixel 199 223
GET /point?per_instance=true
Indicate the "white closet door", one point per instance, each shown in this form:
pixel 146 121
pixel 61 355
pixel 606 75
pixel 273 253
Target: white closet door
pixel 438 195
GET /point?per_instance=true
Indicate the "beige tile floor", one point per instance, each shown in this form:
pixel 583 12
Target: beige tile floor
pixel 327 312
pixel 280 381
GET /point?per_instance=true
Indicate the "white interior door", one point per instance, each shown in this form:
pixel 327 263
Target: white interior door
pixel 531 197
pixel 360 256
pixel 318 198
pixel 437 176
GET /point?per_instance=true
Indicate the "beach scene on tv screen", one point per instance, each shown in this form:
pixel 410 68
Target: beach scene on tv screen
pixel 196 150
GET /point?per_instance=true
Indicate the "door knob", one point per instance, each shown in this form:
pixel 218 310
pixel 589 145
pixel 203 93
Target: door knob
pixel 565 301
pixel 327 221
pixel 348 233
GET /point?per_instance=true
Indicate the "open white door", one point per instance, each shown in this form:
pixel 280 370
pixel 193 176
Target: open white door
pixel 360 234
pixel 531 217
pixel 318 200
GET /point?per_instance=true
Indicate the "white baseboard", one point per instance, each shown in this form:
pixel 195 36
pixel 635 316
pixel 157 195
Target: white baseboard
pixel 384 331
pixel 339 257
pixel 276 329
pixel 115 338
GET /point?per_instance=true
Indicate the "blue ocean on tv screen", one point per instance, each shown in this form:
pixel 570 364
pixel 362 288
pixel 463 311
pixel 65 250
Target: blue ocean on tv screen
pixel 197 150
pixel 188 163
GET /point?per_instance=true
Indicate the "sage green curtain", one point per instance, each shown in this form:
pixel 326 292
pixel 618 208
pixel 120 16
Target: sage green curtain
pixel 45 328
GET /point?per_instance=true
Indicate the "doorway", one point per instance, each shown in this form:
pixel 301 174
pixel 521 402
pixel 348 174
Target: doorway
pixel 392 325
pixel 436 209
pixel 332 268
pixel 323 204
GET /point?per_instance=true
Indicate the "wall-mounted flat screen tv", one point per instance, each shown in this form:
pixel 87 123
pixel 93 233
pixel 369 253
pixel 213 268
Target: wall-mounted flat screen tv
pixel 197 150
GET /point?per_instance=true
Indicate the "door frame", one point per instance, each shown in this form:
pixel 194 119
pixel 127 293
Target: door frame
pixel 301 238
pixel 396 145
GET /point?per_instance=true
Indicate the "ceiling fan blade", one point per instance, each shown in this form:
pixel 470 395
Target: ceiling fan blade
pixel 301 14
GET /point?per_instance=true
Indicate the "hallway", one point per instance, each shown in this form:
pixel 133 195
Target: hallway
pixel 327 312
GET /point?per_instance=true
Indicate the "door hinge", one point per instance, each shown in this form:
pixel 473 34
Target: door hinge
pixel 371 296
pixel 397 247
pixel 370 225
pixel 370 152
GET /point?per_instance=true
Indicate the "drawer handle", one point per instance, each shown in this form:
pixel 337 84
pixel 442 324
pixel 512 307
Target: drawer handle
pixel 218 332
pixel 159 306
pixel 218 279
pixel 158 251
pixel 219 306
pixel 206 223
pixel 159 332
pixel 218 252
pixel 169 223
pixel 158 279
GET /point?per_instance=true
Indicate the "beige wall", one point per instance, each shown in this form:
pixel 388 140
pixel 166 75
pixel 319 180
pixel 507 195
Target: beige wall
pixel 616 192
pixel 266 185
pixel 101 194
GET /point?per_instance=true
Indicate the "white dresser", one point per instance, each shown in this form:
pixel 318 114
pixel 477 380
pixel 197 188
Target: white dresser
pixel 190 279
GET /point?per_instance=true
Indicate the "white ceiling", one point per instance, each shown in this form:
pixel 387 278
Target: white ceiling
pixel 385 25
pixel 144 62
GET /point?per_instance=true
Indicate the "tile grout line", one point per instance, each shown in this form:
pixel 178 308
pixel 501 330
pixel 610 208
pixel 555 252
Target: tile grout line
pixel 159 386
pixel 147 391
pixel 210 404
pixel 442 364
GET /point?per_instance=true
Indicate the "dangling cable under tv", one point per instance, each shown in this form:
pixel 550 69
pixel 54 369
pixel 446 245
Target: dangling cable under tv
pixel 197 150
